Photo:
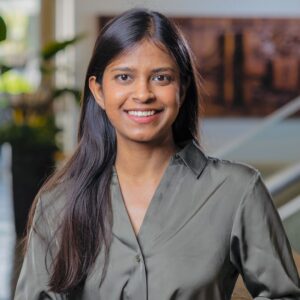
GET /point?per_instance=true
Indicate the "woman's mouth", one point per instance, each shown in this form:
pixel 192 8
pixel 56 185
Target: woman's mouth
pixel 143 116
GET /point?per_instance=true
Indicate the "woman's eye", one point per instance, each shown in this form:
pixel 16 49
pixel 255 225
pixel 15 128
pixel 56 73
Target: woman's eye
pixel 123 77
pixel 163 78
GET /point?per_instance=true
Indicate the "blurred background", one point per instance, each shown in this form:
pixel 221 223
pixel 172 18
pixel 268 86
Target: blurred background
pixel 248 54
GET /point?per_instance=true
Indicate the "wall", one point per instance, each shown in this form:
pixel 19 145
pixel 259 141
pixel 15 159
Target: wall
pixel 84 19
pixel 87 10
pixel 198 7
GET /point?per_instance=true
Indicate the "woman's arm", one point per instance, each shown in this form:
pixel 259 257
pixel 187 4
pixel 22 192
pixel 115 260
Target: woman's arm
pixel 34 277
pixel 260 249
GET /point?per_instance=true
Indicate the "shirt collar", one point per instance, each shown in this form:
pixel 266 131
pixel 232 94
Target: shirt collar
pixel 193 157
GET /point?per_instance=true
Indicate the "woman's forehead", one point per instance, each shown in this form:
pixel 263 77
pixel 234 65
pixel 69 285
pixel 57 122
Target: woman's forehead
pixel 144 52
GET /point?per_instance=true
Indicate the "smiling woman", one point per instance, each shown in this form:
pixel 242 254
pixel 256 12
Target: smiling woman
pixel 141 97
pixel 139 211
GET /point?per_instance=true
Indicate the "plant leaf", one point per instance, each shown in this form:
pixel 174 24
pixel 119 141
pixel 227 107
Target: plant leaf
pixel 3 30
pixel 50 50
pixel 75 92
pixel 4 68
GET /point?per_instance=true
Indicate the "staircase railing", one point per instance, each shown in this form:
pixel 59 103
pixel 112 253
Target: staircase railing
pixel 282 179
pixel 274 118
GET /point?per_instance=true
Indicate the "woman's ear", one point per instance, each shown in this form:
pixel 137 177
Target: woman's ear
pixel 96 90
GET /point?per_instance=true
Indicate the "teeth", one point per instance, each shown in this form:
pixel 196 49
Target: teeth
pixel 141 113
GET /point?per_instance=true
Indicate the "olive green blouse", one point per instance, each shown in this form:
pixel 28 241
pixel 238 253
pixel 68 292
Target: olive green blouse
pixel 208 221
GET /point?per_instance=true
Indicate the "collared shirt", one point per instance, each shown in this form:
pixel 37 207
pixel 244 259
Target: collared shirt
pixel 208 220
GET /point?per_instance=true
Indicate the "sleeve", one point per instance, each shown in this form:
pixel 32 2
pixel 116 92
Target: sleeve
pixel 34 276
pixel 259 248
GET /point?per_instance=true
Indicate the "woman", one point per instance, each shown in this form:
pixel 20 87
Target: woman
pixel 139 211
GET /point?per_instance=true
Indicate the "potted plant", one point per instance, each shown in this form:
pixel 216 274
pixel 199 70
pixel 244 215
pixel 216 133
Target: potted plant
pixel 29 126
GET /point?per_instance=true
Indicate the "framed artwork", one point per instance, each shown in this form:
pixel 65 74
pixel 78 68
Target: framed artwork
pixel 249 67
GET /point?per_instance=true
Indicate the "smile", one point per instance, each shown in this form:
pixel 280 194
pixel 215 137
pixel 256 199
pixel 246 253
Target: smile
pixel 139 113
pixel 144 116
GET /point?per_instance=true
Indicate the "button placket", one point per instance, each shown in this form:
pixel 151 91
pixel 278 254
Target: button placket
pixel 138 258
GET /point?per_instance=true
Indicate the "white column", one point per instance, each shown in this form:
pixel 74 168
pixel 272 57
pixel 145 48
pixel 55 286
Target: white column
pixel 66 108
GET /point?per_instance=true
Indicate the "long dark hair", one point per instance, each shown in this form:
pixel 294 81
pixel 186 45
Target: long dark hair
pixel 87 222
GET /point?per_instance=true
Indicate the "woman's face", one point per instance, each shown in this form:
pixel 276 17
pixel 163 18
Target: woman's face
pixel 140 93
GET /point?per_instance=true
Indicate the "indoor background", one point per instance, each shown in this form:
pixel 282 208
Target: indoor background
pixel 248 54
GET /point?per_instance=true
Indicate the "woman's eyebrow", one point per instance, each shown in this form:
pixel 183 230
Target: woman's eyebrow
pixel 156 70
pixel 125 69
pixel 163 69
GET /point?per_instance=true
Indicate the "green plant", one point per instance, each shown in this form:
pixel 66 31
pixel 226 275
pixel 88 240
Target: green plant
pixel 31 117
pixel 27 122
pixel 27 136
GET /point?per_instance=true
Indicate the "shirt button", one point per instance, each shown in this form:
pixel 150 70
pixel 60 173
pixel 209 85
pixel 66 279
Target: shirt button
pixel 138 258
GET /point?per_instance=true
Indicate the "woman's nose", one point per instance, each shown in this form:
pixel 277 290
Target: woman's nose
pixel 142 91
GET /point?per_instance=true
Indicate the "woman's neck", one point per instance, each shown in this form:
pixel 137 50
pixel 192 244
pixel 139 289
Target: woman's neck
pixel 139 161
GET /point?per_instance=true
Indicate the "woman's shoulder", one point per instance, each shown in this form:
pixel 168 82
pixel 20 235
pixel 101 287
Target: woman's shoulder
pixel 218 167
pixel 237 172
pixel 228 165
pixel 231 179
